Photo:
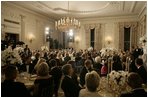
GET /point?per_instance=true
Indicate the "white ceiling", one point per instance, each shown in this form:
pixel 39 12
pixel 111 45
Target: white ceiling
pixel 83 9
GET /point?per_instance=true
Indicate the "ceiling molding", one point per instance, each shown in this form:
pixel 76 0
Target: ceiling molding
pixel 55 10
pixel 32 11
pixel 133 6
pixel 110 17
pixel 51 9
pixel 142 9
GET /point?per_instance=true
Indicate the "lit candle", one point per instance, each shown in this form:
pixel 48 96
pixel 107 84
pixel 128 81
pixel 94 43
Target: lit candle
pixel 129 59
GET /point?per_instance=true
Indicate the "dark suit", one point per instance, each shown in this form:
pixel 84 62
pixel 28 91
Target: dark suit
pixel 27 52
pixel 70 88
pixel 97 68
pixel 9 88
pixel 32 65
pixel 66 59
pixel 132 67
pixel 142 72
pixel 82 75
pixel 135 93
pixel 137 52
pixel 117 66
pixel 43 87
pixel 56 74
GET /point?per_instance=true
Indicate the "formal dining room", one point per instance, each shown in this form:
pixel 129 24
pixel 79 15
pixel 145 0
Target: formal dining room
pixel 74 48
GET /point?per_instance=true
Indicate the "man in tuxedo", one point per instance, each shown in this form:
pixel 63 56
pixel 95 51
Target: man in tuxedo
pixel 27 51
pixel 87 68
pixel 70 88
pixel 137 52
pixel 10 88
pixel 56 74
pixel 135 82
pixel 141 70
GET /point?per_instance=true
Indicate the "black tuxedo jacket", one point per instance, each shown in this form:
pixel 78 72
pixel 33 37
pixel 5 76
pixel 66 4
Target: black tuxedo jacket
pixel 70 88
pixel 135 93
pixel 142 72
pixel 82 75
pixel 9 88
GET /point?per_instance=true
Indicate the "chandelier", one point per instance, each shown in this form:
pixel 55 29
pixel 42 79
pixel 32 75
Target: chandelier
pixel 67 23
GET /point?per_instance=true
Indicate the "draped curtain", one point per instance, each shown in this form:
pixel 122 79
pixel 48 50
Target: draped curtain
pixel 98 35
pixel 133 33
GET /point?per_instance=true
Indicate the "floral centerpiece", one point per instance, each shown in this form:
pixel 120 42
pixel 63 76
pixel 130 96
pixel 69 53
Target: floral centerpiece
pixel 107 52
pixel 117 82
pixel 9 56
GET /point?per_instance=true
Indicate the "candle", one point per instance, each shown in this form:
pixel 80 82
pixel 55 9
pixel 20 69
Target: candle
pixel 108 65
pixel 126 64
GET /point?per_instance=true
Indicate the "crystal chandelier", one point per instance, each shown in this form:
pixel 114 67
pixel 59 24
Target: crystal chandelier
pixel 67 23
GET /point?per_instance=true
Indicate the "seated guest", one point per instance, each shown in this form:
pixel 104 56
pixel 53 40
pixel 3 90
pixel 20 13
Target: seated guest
pixel 92 83
pixel 141 70
pixel 135 82
pixel 34 62
pixel 104 69
pixel 98 65
pixel 39 62
pixel 74 75
pixel 43 85
pixel 10 88
pixel 117 65
pixel 70 88
pixel 56 74
pixel 83 56
pixel 67 58
pixel 87 68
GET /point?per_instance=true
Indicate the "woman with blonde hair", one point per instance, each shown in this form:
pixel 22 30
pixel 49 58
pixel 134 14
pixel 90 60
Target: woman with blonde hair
pixel 43 85
pixel 39 62
pixel 92 80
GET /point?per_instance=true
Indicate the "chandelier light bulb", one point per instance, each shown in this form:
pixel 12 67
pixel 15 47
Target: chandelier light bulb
pixel 66 23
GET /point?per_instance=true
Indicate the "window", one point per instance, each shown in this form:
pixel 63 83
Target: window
pixel 126 39
pixel 92 37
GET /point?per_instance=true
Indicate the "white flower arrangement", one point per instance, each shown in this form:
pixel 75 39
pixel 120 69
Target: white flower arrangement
pixel 90 49
pixel 44 48
pixel 19 49
pixel 107 51
pixel 117 82
pixel 10 56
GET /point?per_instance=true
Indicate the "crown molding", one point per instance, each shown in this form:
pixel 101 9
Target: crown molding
pixel 44 16
pixel 109 17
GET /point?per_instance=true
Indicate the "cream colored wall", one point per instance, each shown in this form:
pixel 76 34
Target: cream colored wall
pixel 142 24
pixel 30 23
pixel 109 28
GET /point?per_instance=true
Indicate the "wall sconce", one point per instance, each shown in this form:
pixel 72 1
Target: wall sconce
pixel 77 39
pixel 108 40
pixel 31 37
